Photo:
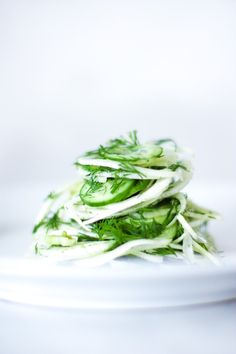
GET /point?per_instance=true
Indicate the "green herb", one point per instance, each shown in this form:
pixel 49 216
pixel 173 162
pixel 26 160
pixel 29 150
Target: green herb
pixel 52 222
pixel 52 196
pixel 119 207
pixel 177 165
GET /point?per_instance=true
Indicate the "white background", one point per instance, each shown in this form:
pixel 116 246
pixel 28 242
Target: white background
pixel 72 75
pixel 75 73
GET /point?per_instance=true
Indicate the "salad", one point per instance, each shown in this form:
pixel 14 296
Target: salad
pixel 127 200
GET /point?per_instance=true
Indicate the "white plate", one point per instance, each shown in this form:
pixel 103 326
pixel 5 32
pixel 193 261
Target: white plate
pixel 124 283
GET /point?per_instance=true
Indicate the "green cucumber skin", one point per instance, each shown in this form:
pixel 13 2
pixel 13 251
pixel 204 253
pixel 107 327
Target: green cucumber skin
pixel 103 195
pixel 139 186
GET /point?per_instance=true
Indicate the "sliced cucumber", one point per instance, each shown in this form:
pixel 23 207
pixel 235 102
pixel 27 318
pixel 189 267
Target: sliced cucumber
pixel 140 185
pixel 113 190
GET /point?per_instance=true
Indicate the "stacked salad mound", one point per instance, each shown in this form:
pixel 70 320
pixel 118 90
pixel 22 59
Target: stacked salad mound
pixel 126 201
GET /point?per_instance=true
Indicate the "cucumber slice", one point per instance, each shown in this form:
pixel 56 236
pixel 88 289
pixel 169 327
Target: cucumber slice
pixel 139 186
pixel 113 190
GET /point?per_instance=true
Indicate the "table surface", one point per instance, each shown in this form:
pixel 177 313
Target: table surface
pixel 195 329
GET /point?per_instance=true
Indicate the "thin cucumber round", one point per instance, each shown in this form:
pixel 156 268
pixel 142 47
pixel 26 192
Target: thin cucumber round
pixel 113 190
pixel 139 186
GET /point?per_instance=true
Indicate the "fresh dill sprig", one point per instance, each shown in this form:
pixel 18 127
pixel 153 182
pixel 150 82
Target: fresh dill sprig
pixel 131 140
pixel 116 146
pixel 142 224
pixel 51 196
pixel 94 172
pixel 52 222
pixel 128 167
pixel 177 165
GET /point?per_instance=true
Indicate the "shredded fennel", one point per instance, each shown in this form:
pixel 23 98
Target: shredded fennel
pixel 127 200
